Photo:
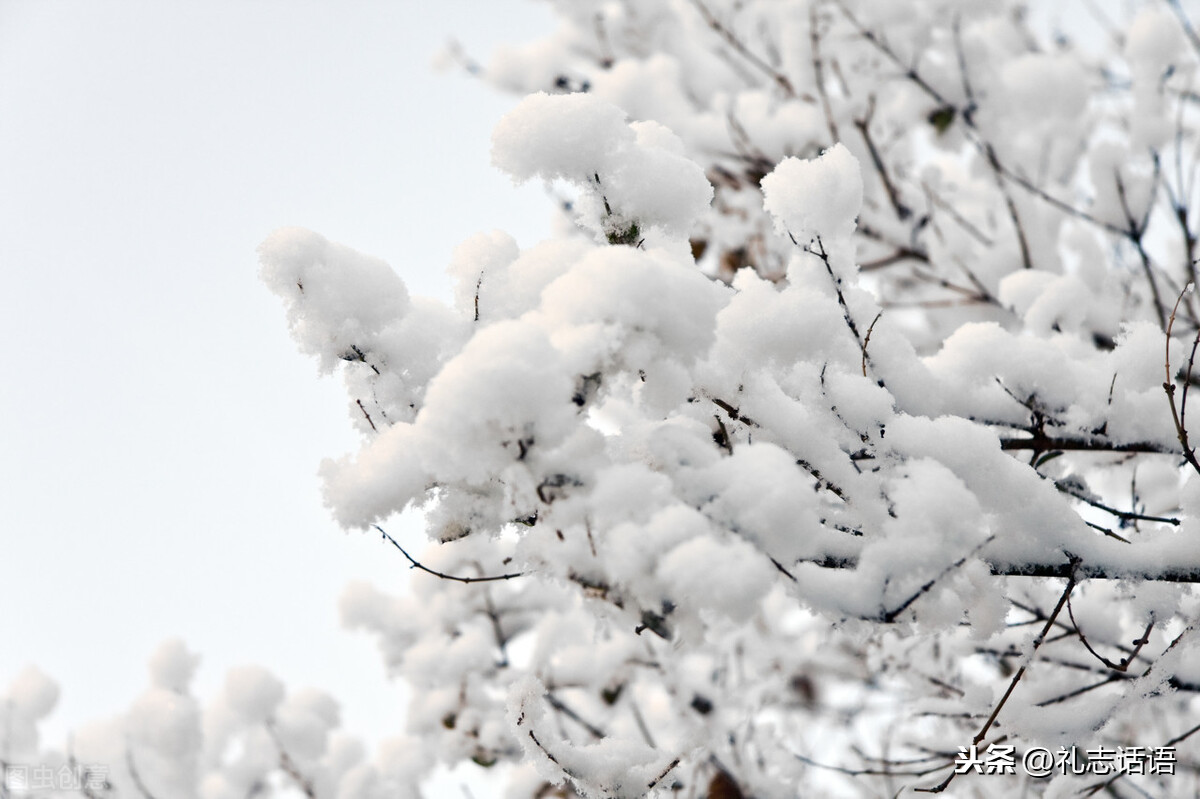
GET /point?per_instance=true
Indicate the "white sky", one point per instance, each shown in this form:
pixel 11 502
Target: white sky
pixel 159 435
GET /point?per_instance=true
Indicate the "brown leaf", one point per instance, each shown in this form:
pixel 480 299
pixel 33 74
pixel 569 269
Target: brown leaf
pixel 722 786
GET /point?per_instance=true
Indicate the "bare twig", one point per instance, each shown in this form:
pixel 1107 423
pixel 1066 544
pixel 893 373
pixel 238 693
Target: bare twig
pixel 1043 443
pixel 1169 387
pixel 1134 232
pixel 883 47
pixel 942 205
pixel 367 415
pixel 1037 642
pixel 891 615
pixel 478 286
pixel 1043 569
pixel 663 774
pixel 1069 488
pixel 136 776
pixel 1184 736
pixel 570 713
pixel 819 74
pixel 1057 700
pixel 740 48
pixel 1186 24
pixel 427 570
pixel 289 766
pixel 837 286
pixel 1022 242
pixel 1123 665
pixel 497 630
pixel 864 129
pixel 886 770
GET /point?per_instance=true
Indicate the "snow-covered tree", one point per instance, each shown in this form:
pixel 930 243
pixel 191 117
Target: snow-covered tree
pixel 838 443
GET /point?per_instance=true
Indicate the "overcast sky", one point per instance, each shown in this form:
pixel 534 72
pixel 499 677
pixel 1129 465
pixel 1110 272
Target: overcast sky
pixel 160 435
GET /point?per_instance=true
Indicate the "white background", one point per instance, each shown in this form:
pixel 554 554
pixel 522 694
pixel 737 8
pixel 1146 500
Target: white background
pixel 159 435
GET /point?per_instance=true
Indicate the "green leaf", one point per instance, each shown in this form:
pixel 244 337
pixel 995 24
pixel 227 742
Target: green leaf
pixel 942 118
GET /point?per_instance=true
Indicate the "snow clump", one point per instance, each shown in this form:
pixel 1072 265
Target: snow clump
pixel 818 196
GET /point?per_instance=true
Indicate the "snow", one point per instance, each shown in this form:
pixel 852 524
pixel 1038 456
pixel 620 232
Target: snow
pixel 32 694
pixel 378 481
pixel 761 451
pixel 632 175
pixel 1044 89
pixel 572 137
pixel 336 298
pixel 252 692
pixel 172 666
pixel 727 577
pixel 1153 43
pixel 815 197
pixel 165 721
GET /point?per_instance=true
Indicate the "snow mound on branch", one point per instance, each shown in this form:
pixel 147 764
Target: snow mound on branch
pixel 336 297
pixel 505 391
pixel 165 721
pixel 380 479
pixel 568 136
pixel 816 197
pixel 634 176
pixel 172 666
pixel 728 577
pixel 1044 89
pixel 480 256
pixel 253 692
pixel 1153 42
pixel 32 694
pixel 624 290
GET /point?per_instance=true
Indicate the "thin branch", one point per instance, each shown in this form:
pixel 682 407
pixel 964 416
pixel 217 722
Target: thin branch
pixel 819 74
pixel 1169 387
pixel 1186 24
pixel 1057 700
pixel 1187 384
pixel 497 630
pixel 1043 443
pixel 899 255
pixel 663 774
pixel 640 721
pixel 289 766
pixel 1135 233
pixel 546 752
pixel 822 482
pixel 1065 207
pixel 1069 488
pixel 567 711
pixel 733 412
pixel 892 615
pixel 964 73
pixel 883 47
pixel 733 41
pixel 1037 642
pixel 427 570
pixel 1022 242
pixel 1185 735
pixel 1125 661
pixel 137 777
pixel 837 287
pixel 972 230
pixel 881 772
pixel 478 286
pixel 864 128
pixel 367 415
pixel 721 436
pixel 1049 569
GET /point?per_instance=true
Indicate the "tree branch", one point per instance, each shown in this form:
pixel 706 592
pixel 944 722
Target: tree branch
pixel 427 570
pixel 1060 570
